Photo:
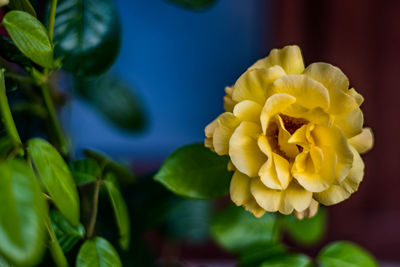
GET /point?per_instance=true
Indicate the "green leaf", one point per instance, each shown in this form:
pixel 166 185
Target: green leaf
pixel 189 219
pixel 307 231
pixel 120 210
pixel 196 172
pixel 123 174
pixel 193 4
pixel 97 252
pixel 55 249
pixel 345 254
pixel 67 234
pixel 11 53
pixel 23 212
pixel 114 99
pixel 30 36
pixel 23 5
pixel 84 171
pixel 254 255
pixel 289 260
pixel 87 35
pixel 236 229
pixel 56 178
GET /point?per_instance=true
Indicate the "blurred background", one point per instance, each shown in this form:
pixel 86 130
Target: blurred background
pixel 179 63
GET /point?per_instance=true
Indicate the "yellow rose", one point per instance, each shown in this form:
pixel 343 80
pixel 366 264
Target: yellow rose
pixel 293 135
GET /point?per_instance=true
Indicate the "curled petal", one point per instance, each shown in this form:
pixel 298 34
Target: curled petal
pixel 268 199
pixel 296 198
pixel 227 123
pixel 289 58
pixel 364 141
pixel 337 193
pixel 315 115
pixel 240 188
pixel 308 93
pixel 275 173
pixel 244 151
pixel 305 172
pixel 253 84
pixel 275 104
pixel 333 139
pixel 248 110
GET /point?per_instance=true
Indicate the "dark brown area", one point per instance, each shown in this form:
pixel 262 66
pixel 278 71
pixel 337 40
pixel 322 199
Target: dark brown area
pixel 363 39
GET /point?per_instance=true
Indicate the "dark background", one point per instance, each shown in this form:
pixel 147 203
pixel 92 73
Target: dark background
pixel 180 62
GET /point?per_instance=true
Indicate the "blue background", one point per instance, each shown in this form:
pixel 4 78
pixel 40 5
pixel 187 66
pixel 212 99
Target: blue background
pixel 179 62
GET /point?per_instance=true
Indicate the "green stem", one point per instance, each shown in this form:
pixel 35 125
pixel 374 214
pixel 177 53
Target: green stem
pixel 52 17
pixel 61 141
pixel 92 223
pixel 6 115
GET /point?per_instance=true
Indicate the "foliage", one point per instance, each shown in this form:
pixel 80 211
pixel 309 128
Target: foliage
pixel 43 190
pixel 52 208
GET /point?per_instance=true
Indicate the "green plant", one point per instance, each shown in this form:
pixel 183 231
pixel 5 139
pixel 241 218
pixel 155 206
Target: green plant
pixel 50 201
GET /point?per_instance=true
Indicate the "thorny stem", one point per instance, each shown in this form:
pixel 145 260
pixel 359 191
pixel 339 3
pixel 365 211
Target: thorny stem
pixel 93 217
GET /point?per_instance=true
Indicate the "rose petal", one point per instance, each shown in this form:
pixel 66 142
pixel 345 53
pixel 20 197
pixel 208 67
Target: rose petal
pixel 253 84
pixel 244 151
pixel 338 193
pixel 308 93
pixel 364 141
pixel 240 188
pixel 289 58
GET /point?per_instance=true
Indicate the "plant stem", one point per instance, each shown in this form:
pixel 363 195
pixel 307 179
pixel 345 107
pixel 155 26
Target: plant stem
pixel 93 217
pixel 6 114
pixel 62 142
pixel 52 17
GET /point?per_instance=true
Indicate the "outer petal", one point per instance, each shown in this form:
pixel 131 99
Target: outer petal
pixel 308 93
pixel 253 84
pixel 350 123
pixel 244 151
pixel 240 188
pixel 336 83
pixel 330 76
pixel 253 207
pixel 309 212
pixel 268 199
pixel 248 110
pixel 295 198
pixel 227 123
pixel 229 104
pixel 364 141
pixel 338 193
pixel 274 105
pixel 359 98
pixel 289 58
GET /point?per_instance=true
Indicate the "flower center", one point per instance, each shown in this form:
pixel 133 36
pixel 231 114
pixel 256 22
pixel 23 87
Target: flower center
pixel 278 133
pixel 292 124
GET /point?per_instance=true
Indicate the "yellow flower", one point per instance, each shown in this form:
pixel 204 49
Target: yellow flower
pixel 293 135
